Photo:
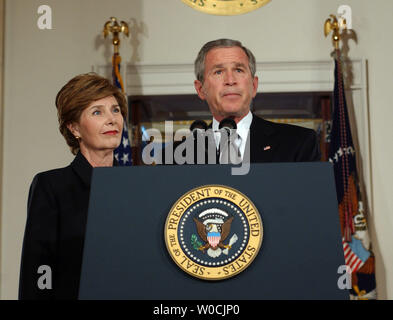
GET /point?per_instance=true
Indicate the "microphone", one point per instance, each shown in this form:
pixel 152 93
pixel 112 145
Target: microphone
pixel 227 127
pixel 228 124
pixel 228 150
pixel 198 125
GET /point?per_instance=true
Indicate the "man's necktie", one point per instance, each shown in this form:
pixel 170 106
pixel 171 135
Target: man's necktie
pixel 230 148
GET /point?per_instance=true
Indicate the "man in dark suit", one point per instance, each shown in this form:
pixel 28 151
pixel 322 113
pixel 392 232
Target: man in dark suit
pixel 225 72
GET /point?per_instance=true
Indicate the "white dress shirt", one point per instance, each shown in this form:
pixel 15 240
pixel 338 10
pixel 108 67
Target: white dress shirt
pixel 243 128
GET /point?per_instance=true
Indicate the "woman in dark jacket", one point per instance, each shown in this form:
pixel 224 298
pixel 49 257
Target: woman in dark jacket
pixel 91 112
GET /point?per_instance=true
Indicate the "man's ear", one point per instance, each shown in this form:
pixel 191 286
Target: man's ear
pixel 199 89
pixel 255 86
pixel 74 129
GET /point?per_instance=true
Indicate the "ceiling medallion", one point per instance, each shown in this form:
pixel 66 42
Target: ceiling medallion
pixel 225 7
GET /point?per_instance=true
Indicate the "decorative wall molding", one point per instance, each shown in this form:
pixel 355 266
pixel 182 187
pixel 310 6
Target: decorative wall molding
pixel 298 76
pixel 2 34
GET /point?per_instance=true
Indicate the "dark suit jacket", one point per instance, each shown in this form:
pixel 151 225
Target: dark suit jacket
pixel 274 142
pixel 55 230
pixel 283 142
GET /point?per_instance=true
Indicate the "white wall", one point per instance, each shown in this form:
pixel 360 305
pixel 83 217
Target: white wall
pixel 38 63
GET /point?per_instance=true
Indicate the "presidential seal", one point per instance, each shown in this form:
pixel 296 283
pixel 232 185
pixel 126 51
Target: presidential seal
pixel 225 7
pixel 213 232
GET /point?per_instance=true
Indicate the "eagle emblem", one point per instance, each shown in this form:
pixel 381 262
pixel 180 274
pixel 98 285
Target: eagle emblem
pixel 213 227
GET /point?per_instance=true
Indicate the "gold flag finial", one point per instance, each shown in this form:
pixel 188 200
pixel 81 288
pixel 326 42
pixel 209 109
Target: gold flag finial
pixel 112 26
pixel 333 24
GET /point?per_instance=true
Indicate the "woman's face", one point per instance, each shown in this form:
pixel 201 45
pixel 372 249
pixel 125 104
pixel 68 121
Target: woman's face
pixel 100 125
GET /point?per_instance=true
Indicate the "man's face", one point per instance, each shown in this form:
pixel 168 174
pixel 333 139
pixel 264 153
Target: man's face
pixel 228 86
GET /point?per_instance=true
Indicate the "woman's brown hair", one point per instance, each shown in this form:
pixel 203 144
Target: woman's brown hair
pixel 77 95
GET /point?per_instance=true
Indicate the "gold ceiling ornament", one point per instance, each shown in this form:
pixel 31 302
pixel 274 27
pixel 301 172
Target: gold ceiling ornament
pixel 333 24
pixel 112 26
pixel 225 7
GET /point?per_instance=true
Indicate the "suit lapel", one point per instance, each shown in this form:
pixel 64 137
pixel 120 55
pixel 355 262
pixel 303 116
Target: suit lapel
pixel 262 143
pixel 82 168
pixel 262 146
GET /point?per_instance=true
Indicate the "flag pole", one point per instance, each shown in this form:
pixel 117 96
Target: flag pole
pixel 112 26
pixel 348 210
pixel 332 24
pixel 357 247
pixel 123 152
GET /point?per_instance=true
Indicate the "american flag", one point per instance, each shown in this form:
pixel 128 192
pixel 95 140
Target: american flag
pixel 355 260
pixel 342 155
pixel 123 151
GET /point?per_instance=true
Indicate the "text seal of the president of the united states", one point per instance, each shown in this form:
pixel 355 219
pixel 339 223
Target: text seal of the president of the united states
pixel 213 232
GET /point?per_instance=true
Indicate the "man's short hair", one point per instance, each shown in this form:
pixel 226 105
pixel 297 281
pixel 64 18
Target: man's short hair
pixel 199 65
